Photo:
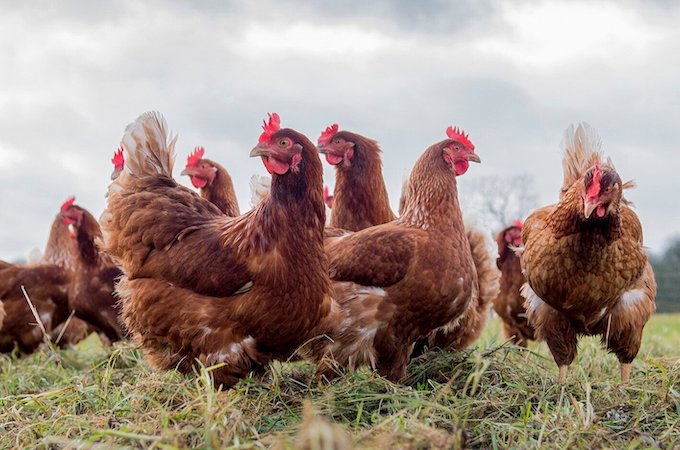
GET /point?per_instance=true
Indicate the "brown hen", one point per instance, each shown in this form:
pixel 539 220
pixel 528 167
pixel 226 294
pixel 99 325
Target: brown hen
pixel 91 292
pixel 360 196
pixel 396 282
pixel 201 286
pixel 587 271
pixel 213 181
pixel 509 303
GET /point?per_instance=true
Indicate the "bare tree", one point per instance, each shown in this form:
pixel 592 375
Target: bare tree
pixel 498 200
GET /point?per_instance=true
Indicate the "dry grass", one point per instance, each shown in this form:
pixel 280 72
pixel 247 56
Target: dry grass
pixel 494 396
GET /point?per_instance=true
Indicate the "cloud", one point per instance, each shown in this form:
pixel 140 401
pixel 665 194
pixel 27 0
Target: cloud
pixel 513 75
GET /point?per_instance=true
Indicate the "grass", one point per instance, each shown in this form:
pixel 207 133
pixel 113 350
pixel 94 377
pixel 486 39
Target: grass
pixel 493 396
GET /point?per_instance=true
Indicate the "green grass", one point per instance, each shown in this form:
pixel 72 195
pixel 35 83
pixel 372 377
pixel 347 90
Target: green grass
pixel 494 396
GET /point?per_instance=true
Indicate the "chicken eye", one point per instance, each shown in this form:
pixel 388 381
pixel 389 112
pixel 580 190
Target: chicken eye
pixel 338 141
pixel 283 142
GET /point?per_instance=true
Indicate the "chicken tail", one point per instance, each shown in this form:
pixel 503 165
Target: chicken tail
pixel 466 329
pixel 150 153
pixel 259 189
pixel 149 150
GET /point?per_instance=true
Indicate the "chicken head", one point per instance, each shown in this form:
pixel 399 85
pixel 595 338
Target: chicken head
pixel 602 190
pixel 337 148
pixel 278 151
pixel 200 171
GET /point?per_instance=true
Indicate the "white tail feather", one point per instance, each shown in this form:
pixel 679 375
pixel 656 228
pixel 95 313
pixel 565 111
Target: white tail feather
pixel 149 152
pixel 259 188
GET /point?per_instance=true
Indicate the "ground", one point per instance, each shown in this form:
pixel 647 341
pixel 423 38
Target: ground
pixel 494 396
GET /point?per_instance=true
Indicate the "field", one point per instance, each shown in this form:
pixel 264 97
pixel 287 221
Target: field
pixel 494 396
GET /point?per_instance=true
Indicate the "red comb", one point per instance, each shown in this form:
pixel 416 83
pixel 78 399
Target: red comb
pixel 326 194
pixel 118 159
pixel 459 135
pixel 270 128
pixel 518 224
pixel 67 204
pixel 195 157
pixel 326 136
pixel 594 188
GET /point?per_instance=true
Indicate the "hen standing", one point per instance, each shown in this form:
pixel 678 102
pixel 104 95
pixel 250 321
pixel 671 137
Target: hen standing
pixel 395 282
pixel 587 271
pixel 200 285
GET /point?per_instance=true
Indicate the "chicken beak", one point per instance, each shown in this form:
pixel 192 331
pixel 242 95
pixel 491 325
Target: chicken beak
pixel 589 207
pixel 115 174
pixel 186 171
pixel 323 149
pixel 473 157
pixel 260 150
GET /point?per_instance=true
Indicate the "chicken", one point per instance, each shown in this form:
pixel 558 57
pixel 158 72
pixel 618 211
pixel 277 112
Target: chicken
pixel 509 303
pixel 91 292
pixel 213 181
pixel 360 197
pixel 362 202
pixel 396 282
pixel 201 286
pixel 586 269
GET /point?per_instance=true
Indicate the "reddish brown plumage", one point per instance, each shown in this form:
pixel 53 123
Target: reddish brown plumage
pixel 585 265
pixel 200 285
pixel 398 281
pixel 91 292
pixel 360 197
pixel 509 303
pixel 47 287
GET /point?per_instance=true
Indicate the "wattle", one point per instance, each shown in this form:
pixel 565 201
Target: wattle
pixel 600 211
pixel 198 182
pixel 333 159
pixel 461 167
pixel 273 165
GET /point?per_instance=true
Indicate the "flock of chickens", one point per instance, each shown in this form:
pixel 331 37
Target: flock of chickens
pixel 191 280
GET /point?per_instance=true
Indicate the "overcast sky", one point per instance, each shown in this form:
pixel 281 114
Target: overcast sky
pixel 512 74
